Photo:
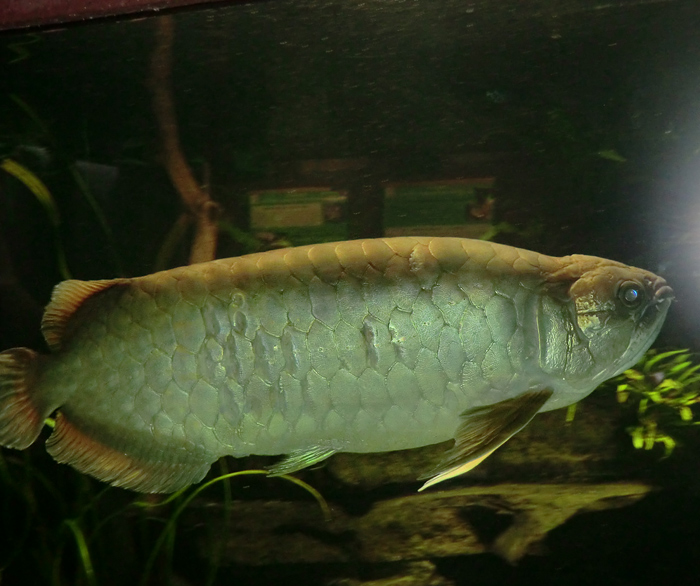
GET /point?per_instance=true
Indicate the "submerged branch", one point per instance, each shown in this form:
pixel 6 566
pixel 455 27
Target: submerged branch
pixel 202 210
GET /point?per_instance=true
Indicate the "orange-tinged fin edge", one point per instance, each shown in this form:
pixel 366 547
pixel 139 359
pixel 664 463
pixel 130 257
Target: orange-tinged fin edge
pixel 21 419
pixel 69 445
pixel 66 298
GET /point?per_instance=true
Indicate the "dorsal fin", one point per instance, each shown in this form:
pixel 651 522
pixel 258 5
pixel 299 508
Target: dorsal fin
pixel 66 298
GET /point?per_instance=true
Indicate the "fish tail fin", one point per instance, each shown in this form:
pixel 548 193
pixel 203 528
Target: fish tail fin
pixel 21 419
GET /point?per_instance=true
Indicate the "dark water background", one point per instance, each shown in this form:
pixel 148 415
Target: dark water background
pixel 587 114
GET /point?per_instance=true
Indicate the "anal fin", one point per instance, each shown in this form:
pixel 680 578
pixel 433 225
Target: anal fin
pixel 69 445
pixel 299 459
pixel 483 430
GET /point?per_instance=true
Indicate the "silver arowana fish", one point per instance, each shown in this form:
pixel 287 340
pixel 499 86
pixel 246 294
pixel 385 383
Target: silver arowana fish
pixel 361 346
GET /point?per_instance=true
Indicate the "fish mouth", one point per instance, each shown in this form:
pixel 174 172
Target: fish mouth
pixel 662 292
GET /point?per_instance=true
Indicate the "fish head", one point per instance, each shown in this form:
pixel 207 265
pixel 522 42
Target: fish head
pixel 616 312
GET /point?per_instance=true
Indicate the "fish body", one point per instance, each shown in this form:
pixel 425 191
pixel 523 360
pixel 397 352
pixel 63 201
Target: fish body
pixel 359 346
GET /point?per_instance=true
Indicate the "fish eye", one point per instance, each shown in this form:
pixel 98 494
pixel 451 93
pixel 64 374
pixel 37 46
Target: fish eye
pixel 631 294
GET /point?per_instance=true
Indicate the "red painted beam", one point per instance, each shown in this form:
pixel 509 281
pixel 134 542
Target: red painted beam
pixel 16 14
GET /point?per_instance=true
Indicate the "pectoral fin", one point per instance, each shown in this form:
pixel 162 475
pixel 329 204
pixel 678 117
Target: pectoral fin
pixel 483 430
pixel 300 459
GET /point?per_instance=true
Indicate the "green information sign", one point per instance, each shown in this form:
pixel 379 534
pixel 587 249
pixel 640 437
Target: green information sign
pixel 302 215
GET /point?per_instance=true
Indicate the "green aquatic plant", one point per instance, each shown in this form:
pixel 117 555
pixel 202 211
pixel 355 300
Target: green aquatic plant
pixel 37 187
pixel 185 496
pixel 664 387
pixel 64 528
pixel 42 134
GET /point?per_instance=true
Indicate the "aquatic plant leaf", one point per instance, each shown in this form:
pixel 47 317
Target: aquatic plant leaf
pixel 634 375
pixel 43 195
pixel 35 185
pixel 679 367
pixel 655 396
pixel 611 155
pixel 649 442
pixel 686 376
pixel 668 385
pixel 669 444
pixel 622 392
pixel 99 214
pixel 80 182
pixel 637 434
pixel 20 47
pixel 666 389
pixel 643 405
pixel 83 550
pixel 29 111
pixel 649 364
pixel 168 533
